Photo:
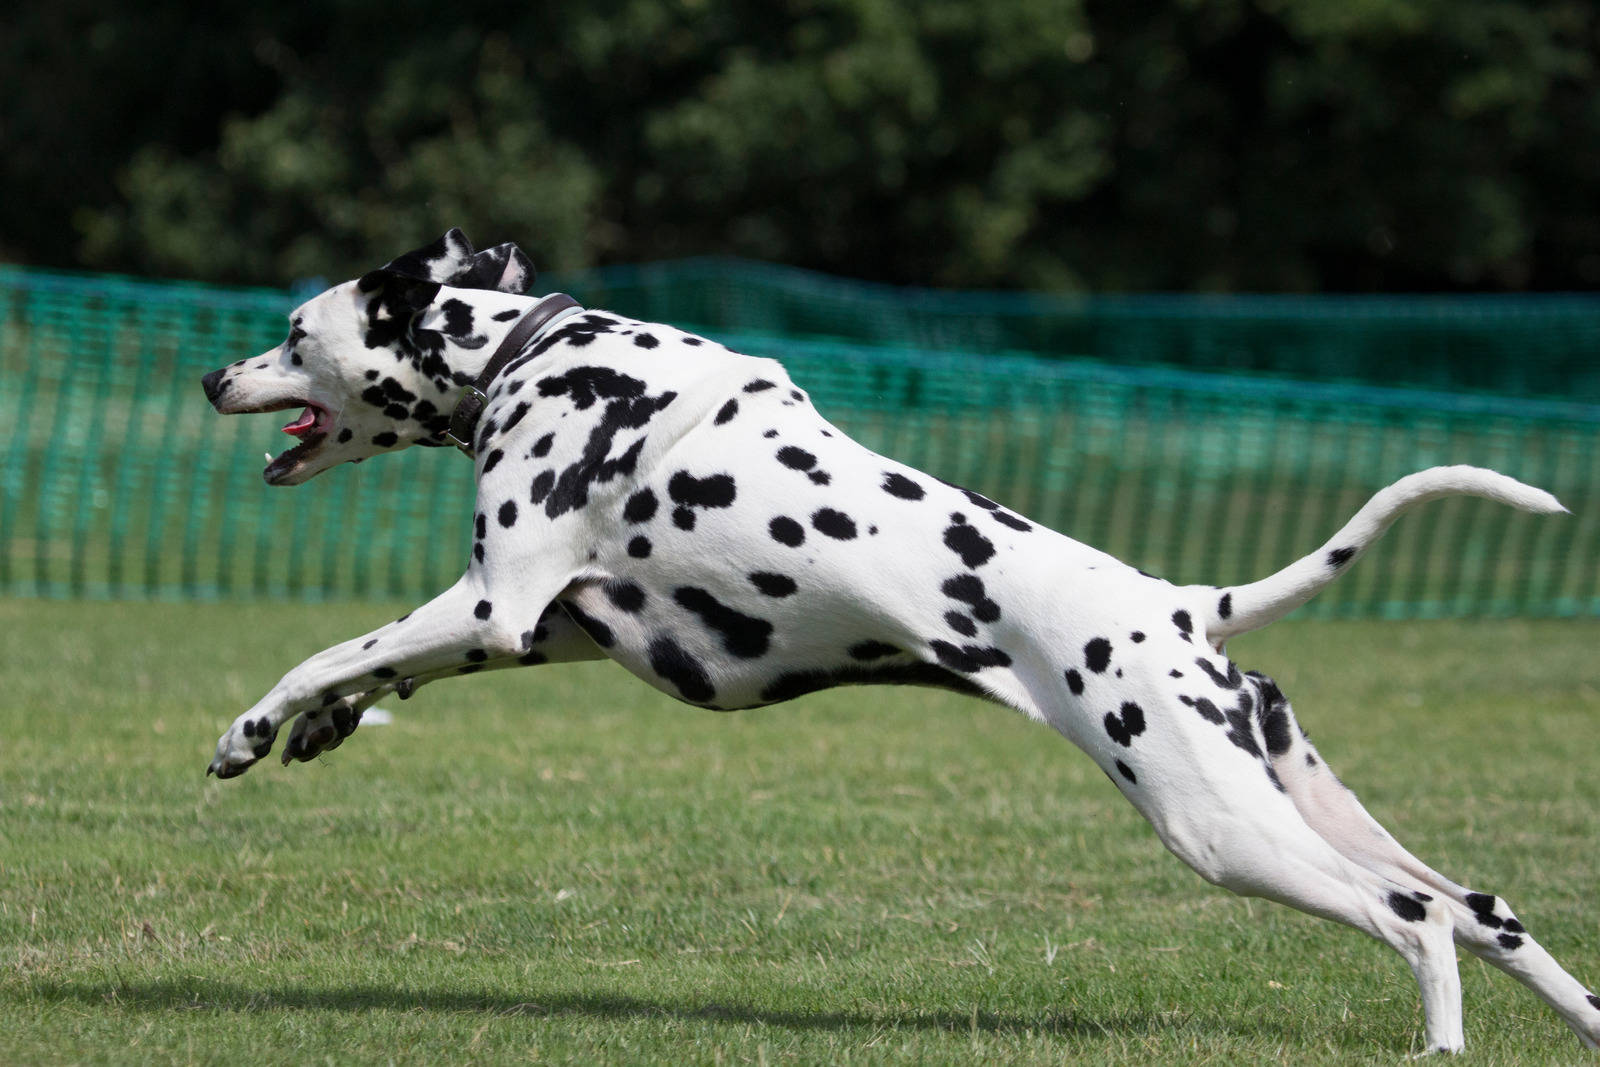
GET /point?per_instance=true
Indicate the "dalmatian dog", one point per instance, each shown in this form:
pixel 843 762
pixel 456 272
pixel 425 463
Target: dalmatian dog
pixel 647 495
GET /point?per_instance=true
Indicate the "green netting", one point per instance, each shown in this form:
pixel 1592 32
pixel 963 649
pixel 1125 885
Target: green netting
pixel 117 480
pixel 1512 345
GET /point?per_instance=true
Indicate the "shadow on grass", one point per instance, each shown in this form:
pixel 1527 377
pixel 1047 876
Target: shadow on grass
pixel 216 996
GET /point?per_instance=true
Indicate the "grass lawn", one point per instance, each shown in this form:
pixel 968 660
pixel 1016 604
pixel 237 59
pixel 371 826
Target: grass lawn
pixel 562 865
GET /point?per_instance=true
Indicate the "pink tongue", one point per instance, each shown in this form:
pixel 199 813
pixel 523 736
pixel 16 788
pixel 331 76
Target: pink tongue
pixel 307 420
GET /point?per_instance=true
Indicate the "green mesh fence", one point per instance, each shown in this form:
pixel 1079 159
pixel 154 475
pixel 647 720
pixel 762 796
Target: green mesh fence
pixel 117 480
pixel 1518 345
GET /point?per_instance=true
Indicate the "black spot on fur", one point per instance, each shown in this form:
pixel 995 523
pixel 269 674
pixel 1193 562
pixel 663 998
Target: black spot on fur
pixel 1005 518
pixel 541 447
pixel 759 385
pixel 1136 637
pixel 627 408
pixel 1208 711
pixel 672 662
pixel 1406 908
pixel 796 458
pixel 480 526
pixel 727 412
pixel 598 631
pixel 577 331
pixel 1232 680
pixel 778 585
pixel 683 518
pixel 742 635
pixel 969 659
pixel 1122 769
pixel 870 650
pixel 961 624
pixel 979 499
pixel 386 439
pixel 1074 682
pixel 1239 732
pixel 786 531
pixel 1509 941
pixel 345 434
pixel 507 315
pixel 646 340
pixel 965 541
pixel 543 482
pixel 1482 905
pixel 641 506
pixel 716 491
pixel 1184 623
pixel 798 683
pixel 901 486
pixel 639 548
pixel 483 610
pixel 1097 655
pixel 1340 556
pixel 492 460
pixel 1225 606
pixel 969 589
pixel 1594 1001
pixel 626 595
pixel 516 415
pixel 835 524
pixel 823 478
pixel 476 655
pixel 508 513
pixel 1124 727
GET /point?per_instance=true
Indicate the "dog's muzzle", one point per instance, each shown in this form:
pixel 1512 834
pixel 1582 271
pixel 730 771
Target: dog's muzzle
pixel 214 385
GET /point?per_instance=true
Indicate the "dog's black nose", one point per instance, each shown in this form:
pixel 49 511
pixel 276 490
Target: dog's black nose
pixel 214 385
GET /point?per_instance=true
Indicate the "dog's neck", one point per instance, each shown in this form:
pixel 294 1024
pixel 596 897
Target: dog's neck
pixel 472 324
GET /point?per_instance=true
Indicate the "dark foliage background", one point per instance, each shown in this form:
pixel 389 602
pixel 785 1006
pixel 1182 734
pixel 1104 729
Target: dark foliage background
pixel 1051 144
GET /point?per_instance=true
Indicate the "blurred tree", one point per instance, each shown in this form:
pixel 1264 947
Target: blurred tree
pixel 1212 144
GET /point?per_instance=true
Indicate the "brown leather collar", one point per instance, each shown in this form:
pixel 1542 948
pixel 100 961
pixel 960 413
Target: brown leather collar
pixel 464 419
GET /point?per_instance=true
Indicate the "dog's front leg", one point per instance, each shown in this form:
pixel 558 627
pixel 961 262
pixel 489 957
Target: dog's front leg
pixel 556 639
pixel 465 624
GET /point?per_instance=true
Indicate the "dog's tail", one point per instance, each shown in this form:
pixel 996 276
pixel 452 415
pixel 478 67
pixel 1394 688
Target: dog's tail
pixel 1241 608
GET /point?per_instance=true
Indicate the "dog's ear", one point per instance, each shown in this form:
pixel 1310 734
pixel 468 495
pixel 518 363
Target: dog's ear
pixel 400 292
pixel 447 258
pixel 503 267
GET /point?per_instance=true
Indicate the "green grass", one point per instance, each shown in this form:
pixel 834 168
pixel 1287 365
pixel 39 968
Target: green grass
pixel 562 865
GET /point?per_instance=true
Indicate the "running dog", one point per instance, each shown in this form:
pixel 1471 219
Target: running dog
pixel 647 495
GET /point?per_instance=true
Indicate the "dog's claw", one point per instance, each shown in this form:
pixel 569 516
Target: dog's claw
pixel 225 769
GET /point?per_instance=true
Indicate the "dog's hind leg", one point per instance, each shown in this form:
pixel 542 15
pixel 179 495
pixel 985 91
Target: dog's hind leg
pixel 1484 924
pixel 1238 831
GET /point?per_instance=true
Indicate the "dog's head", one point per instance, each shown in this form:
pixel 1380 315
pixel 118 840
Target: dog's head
pixel 377 363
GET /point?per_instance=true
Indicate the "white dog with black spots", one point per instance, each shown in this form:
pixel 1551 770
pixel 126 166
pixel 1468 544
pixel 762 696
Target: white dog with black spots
pixel 652 497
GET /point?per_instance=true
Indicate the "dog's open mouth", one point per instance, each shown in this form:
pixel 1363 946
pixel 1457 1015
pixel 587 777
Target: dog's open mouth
pixel 311 426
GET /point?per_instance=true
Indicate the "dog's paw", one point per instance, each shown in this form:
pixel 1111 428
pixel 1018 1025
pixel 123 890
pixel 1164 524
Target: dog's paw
pixel 323 729
pixel 246 741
